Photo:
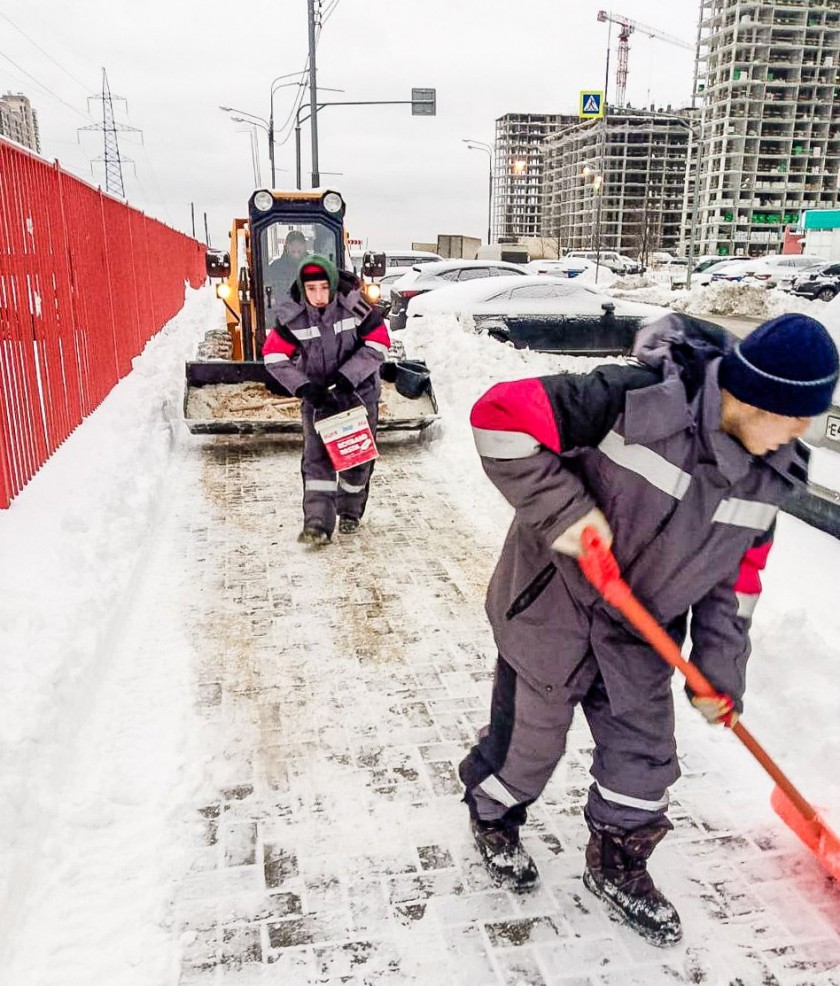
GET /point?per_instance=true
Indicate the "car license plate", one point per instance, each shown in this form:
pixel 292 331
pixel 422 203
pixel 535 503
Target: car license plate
pixel 832 428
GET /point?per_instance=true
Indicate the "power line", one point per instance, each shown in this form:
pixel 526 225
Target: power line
pixel 33 42
pixel 47 89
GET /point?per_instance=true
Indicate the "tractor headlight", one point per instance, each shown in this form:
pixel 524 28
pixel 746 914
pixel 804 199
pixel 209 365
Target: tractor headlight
pixel 333 202
pixel 263 200
pixel 223 291
pixel 373 292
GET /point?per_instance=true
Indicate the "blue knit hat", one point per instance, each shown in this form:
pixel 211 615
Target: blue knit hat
pixel 788 365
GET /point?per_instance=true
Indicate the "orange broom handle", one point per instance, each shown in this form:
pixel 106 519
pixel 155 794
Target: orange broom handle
pixel 601 568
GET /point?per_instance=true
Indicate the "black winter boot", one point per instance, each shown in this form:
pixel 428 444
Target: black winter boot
pixel 348 525
pixel 506 861
pixel 314 535
pixel 616 871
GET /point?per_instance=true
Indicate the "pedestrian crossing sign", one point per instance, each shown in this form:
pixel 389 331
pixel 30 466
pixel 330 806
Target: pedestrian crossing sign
pixel 591 105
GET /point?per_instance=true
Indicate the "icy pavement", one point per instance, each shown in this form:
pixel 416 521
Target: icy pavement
pixel 338 690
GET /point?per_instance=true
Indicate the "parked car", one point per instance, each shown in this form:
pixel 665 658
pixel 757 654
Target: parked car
pixel 820 282
pixel 704 263
pixel 770 272
pixel 549 314
pixel 732 271
pixel 779 270
pixel 430 277
pixel 410 258
pixel 631 266
pixel 606 258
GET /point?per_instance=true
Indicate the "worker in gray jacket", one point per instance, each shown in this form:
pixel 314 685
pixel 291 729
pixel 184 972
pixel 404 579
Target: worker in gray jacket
pixel 681 463
pixel 326 348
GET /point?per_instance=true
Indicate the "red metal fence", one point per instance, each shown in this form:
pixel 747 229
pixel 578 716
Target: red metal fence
pixel 85 282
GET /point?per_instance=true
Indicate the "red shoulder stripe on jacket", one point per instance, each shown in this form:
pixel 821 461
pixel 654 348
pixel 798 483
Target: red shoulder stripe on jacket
pixel 378 334
pixel 749 574
pixel 275 344
pixel 521 405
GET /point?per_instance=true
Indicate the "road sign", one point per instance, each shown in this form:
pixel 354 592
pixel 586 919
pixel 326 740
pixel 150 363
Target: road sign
pixel 591 105
pixel 423 102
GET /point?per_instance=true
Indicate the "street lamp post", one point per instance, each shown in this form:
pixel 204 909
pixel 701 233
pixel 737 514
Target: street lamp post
pixel 480 145
pixel 255 121
pixel 316 172
pixel 274 89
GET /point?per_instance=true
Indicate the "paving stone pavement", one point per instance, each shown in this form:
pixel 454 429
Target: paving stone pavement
pixel 338 690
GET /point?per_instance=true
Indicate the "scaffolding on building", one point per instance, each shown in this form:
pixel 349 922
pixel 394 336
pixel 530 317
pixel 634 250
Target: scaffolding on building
pixel 769 144
pixel 632 164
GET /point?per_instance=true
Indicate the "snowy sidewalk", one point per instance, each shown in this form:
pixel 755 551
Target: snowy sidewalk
pixel 227 758
pixel 339 690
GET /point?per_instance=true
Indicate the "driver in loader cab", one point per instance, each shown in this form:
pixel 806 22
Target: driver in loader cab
pixel 282 271
pixel 326 348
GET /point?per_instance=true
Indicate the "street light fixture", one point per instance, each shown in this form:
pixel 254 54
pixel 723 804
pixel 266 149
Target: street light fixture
pixel 480 145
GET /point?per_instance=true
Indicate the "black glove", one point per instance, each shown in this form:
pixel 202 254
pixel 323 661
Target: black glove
pixel 315 394
pixel 342 384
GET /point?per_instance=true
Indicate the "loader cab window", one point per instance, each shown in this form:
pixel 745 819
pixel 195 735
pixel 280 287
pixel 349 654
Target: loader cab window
pixel 282 247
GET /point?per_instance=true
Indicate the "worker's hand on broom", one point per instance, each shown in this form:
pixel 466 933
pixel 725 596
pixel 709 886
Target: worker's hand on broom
pixel 717 709
pixel 569 542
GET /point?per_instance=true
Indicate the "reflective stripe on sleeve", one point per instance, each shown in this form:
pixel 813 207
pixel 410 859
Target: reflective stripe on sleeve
pixel 313 332
pixel 320 485
pixel 746 513
pixel 378 346
pixel 274 358
pixel 348 487
pixel 345 325
pixel 747 602
pixel 656 469
pixel 625 799
pixel 494 789
pixel 504 444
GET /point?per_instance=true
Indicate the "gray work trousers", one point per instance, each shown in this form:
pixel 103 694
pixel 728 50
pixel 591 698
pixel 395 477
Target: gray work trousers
pixel 634 761
pixel 325 492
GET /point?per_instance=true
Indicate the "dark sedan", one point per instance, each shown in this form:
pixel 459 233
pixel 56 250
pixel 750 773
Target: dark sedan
pixel 820 283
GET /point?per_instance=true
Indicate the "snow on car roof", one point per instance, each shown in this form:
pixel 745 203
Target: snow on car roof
pixel 439 266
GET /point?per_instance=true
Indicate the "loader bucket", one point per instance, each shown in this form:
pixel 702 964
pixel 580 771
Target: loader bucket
pixel 225 397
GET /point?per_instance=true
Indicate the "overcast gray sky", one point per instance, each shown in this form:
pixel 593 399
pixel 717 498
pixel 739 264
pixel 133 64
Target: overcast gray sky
pixel 404 178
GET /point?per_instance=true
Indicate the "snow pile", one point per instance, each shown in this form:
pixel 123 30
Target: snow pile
pixel 724 298
pixel 73 544
pixel 464 364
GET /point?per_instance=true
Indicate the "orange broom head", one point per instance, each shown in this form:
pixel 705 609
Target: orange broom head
pixel 817 836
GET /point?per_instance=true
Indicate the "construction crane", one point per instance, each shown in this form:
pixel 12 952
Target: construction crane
pixel 625 28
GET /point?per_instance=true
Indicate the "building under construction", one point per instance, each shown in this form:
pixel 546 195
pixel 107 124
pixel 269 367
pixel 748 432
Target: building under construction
pixel 770 124
pixel 518 172
pixel 618 182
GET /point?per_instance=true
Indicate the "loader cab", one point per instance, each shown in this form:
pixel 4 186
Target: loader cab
pixel 285 228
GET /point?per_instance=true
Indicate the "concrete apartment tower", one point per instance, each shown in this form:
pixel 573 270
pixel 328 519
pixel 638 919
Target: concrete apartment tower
pixel 19 121
pixel 518 172
pixel 770 120
pixel 618 182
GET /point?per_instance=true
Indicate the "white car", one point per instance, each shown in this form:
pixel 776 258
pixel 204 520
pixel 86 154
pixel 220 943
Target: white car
pixel 541 312
pixel 717 271
pixel 778 271
pixel 572 267
pixel 432 277
pixel 774 271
